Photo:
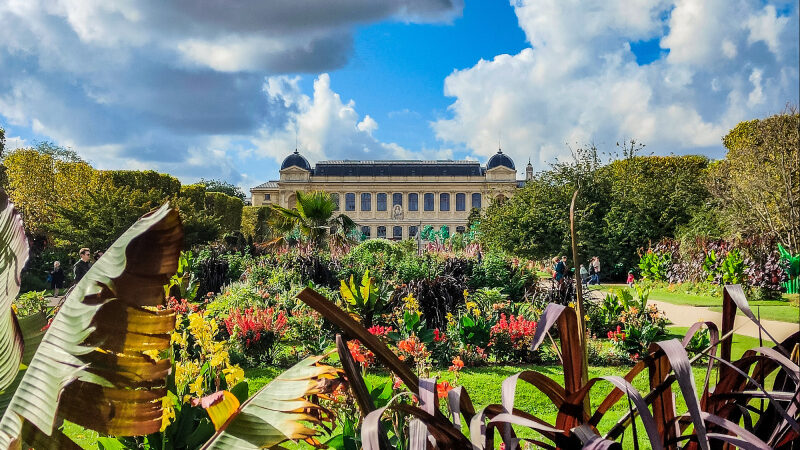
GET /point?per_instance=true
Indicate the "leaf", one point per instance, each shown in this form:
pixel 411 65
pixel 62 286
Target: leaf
pixel 276 413
pixel 13 256
pixel 220 406
pixel 89 368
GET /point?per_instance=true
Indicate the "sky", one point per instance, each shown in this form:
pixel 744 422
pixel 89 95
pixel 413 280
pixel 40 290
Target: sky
pixel 227 89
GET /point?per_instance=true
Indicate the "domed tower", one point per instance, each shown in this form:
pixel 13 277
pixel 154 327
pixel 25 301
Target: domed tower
pixel 500 160
pixel 296 160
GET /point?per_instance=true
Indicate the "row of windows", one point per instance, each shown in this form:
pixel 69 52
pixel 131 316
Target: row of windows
pixel 413 201
pixel 397 231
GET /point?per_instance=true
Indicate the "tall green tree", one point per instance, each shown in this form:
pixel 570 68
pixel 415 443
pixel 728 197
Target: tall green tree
pixel 314 218
pixel 758 182
pixel 224 187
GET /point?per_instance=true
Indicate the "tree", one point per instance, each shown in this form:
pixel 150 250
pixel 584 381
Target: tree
pixel 758 183
pixel 224 187
pixel 313 216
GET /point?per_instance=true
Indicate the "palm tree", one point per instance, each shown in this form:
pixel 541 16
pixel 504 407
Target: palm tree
pixel 313 217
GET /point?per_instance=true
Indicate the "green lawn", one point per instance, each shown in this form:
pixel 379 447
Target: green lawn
pixel 780 310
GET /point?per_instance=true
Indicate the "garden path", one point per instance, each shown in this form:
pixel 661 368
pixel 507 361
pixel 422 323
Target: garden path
pixel 686 316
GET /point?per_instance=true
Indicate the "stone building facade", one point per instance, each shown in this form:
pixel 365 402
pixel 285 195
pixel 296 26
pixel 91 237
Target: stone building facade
pixel 394 199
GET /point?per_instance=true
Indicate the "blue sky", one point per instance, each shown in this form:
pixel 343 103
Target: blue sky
pixel 226 90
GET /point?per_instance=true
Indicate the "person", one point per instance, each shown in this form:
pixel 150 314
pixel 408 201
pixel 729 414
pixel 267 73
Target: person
pixel 561 269
pixel 596 264
pixel 630 279
pixel 82 266
pixel 57 278
pixel 553 270
pixel 98 254
pixel 584 275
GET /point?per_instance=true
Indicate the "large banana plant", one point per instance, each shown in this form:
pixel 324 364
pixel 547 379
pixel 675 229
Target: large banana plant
pixel 97 364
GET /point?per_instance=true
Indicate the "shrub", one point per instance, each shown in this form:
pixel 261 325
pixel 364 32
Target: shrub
pixel 654 265
pixel 237 296
pixel 30 303
pixel 364 299
pixel 256 332
pixel 436 297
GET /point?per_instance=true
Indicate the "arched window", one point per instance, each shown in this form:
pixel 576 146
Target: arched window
pixel 366 201
pixel 413 201
pixel 397 199
pixel 397 233
pixel 412 231
pixel 476 200
pixel 382 232
pixel 365 232
pixel 444 201
pixel 461 202
pixel 291 202
pixel 381 202
pixel 460 229
pixel 350 201
pixel 428 202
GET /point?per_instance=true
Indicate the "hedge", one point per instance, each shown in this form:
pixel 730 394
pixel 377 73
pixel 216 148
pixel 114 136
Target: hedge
pixel 145 180
pixel 196 193
pixel 254 222
pixel 227 208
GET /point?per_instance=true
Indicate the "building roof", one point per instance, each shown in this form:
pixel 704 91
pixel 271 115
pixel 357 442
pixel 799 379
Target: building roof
pixel 365 168
pixel 268 185
pixel 499 159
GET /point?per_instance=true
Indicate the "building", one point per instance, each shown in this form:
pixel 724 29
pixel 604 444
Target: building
pixel 393 199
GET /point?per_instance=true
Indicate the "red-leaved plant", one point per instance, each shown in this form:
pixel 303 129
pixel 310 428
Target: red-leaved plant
pixel 510 337
pixel 256 331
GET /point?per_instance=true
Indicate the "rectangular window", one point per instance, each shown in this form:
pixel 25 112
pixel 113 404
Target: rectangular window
pixel 397 199
pixel 476 200
pixel 350 201
pixel 428 202
pixel 397 232
pixel 381 232
pixel 444 202
pixel 460 229
pixel 335 198
pixel 413 202
pixel 461 202
pixel 366 201
pixel 266 197
pixel 381 200
pixel 365 232
pixel 412 231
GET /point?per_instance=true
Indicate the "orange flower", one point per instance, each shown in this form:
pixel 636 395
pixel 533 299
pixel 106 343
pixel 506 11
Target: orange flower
pixel 442 389
pixel 458 364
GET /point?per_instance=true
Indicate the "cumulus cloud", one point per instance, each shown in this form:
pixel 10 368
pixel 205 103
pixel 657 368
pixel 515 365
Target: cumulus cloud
pixel 579 82
pixel 323 126
pixel 161 84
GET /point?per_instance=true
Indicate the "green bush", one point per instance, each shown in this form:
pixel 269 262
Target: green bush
pixel 496 271
pixel 236 296
pixel 146 180
pixel 654 265
pixel 226 208
pixel 30 303
pixel 254 223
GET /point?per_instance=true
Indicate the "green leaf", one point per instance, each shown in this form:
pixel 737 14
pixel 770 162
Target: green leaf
pixel 13 256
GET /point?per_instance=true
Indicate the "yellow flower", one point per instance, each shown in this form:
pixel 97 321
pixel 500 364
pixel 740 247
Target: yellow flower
pixel 466 294
pixel 14 308
pixel 476 311
pixel 196 388
pixel 169 412
pixel 471 305
pixel 233 375
pixel 571 304
pixel 178 338
pixel 586 317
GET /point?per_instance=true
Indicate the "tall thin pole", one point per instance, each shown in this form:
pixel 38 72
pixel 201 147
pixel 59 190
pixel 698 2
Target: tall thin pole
pixel 581 310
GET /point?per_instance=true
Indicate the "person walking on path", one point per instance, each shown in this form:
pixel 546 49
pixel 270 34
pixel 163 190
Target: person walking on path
pixel 630 279
pixel 82 266
pixel 57 278
pixel 596 265
pixel 561 269
pixel 584 276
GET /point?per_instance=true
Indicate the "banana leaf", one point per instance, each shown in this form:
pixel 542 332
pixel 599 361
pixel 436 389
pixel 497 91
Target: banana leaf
pixel 13 256
pixel 90 367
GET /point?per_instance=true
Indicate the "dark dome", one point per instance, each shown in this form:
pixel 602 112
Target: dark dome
pixel 296 159
pixel 499 159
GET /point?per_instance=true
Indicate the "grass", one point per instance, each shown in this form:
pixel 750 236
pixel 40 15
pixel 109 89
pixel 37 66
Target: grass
pixel 781 310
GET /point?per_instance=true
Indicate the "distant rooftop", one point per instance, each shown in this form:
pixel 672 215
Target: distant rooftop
pixel 369 168
pixel 267 185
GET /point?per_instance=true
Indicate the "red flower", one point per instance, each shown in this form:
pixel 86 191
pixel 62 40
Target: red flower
pixel 378 330
pixel 442 389
pixel 439 336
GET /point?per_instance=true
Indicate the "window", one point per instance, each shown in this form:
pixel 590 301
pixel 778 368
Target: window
pixel 428 202
pixel 365 232
pixel 397 199
pixel 335 199
pixel 476 200
pixel 382 232
pixel 397 232
pixel 444 202
pixel 461 202
pixel 413 202
pixel 412 231
pixel 266 197
pixel 460 229
pixel 350 201
pixel 381 202
pixel 366 201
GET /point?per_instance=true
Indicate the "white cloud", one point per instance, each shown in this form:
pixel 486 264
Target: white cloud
pixel 579 83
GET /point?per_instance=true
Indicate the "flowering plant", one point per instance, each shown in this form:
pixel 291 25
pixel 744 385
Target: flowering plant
pixel 510 337
pixel 256 331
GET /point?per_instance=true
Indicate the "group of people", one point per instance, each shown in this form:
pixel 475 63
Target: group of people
pixel 56 276
pixel 592 274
